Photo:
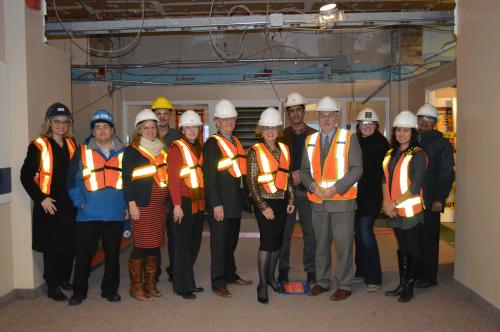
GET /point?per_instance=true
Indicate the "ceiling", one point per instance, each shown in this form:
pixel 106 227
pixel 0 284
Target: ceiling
pixel 98 10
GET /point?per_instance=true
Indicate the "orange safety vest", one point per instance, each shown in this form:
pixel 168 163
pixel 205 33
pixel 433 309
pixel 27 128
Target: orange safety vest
pixel 190 170
pixel 272 175
pixel 233 157
pixel 99 173
pixel 335 165
pixel 157 167
pixel 43 176
pixel 401 183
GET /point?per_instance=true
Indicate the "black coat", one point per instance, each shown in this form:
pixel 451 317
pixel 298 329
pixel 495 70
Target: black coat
pixel 221 188
pixel 369 198
pixel 50 233
pixel 440 171
pixel 140 189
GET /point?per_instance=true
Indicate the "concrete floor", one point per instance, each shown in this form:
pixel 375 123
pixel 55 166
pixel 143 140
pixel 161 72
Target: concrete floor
pixel 441 308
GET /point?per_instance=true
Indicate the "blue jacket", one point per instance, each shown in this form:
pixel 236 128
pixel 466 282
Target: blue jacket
pixel 103 205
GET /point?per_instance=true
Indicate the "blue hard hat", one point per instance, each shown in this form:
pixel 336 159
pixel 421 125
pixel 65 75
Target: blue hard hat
pixel 57 109
pixel 101 116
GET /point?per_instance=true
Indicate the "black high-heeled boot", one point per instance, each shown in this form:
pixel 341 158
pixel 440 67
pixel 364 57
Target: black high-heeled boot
pixel 409 279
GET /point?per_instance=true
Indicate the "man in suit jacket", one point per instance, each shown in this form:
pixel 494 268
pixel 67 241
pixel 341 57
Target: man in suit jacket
pixel 224 165
pixel 294 137
pixel 331 166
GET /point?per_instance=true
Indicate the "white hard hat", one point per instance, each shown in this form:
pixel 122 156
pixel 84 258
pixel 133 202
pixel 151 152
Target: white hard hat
pixel 145 114
pixel 428 110
pixel 367 114
pixel 270 117
pixel 225 109
pixel 405 119
pixel 294 99
pixel 190 118
pixel 327 104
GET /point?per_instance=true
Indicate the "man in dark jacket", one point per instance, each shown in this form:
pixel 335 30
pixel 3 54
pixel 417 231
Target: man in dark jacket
pixel 295 137
pixel 437 185
pixel 224 165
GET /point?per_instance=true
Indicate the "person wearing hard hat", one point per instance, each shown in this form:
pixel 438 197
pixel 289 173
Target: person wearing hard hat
pixel 331 166
pixel 404 171
pixel 43 176
pixel 95 186
pixel 188 201
pixel 271 188
pixel 163 109
pixel 374 147
pixel 295 137
pixel 224 166
pixel 437 186
pixel 145 185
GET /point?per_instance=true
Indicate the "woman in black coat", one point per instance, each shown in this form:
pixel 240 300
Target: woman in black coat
pixel 374 147
pixel 43 176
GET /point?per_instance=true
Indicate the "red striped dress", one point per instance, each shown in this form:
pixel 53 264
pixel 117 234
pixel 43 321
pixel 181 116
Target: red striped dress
pixel 149 230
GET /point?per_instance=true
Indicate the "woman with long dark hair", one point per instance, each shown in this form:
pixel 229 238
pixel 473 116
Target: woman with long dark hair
pixel 373 146
pixel 404 171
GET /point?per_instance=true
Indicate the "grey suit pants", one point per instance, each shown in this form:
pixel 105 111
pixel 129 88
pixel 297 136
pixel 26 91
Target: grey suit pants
pixel 337 227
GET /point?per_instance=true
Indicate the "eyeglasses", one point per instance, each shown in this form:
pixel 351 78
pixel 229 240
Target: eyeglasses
pixel 59 122
pixel 426 118
pixel 269 128
pixel 366 124
pixel 103 127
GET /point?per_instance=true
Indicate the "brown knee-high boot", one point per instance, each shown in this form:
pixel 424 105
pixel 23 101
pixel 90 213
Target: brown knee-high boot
pixel 150 276
pixel 135 267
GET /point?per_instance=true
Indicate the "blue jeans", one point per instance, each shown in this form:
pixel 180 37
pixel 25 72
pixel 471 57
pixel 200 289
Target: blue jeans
pixel 367 257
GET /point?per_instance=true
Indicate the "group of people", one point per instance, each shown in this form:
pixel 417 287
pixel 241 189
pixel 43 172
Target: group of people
pixel 165 182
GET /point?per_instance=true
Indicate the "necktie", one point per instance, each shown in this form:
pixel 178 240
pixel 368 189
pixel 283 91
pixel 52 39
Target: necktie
pixel 326 142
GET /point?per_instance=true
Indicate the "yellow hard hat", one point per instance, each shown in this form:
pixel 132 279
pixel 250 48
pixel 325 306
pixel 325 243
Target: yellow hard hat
pixel 161 102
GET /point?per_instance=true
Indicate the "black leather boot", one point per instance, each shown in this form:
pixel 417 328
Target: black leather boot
pixel 397 291
pixel 409 279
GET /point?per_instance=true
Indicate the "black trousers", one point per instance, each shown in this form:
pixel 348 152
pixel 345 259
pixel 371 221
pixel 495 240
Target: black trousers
pixel 428 267
pixel 223 241
pixel 87 235
pixel 187 245
pixel 409 240
pixel 57 267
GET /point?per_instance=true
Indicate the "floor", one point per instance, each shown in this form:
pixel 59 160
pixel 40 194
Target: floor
pixel 441 308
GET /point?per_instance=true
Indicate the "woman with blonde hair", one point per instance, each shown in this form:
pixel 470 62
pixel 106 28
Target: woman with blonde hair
pixel 145 186
pixel 271 189
pixel 43 176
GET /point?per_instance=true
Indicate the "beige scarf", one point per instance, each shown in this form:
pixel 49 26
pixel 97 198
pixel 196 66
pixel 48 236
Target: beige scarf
pixel 154 146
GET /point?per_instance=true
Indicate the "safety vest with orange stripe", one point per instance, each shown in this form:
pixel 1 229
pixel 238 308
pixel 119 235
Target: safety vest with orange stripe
pixel 401 183
pixel 273 175
pixel 99 173
pixel 157 167
pixel 233 156
pixel 335 166
pixel 44 175
pixel 190 170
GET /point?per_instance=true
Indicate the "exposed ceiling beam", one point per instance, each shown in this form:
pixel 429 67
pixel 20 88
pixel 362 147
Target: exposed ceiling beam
pixel 254 22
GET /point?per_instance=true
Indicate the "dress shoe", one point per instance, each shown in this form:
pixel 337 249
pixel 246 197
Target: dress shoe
pixel 197 289
pixel 56 294
pixel 340 294
pixel 223 292
pixel 316 290
pixel 282 276
pixel 76 299
pixel 424 284
pixel 112 298
pixel 262 295
pixel 66 286
pixel 242 282
pixel 311 277
pixel 188 295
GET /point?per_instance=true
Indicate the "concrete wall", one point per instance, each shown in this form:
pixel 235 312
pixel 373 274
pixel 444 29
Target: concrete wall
pixel 38 75
pixel 478 71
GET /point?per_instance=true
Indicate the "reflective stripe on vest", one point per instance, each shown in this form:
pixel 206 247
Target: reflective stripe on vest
pixel 401 183
pixel 190 171
pixel 99 173
pixel 335 165
pixel 272 175
pixel 233 157
pixel 157 167
pixel 44 175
